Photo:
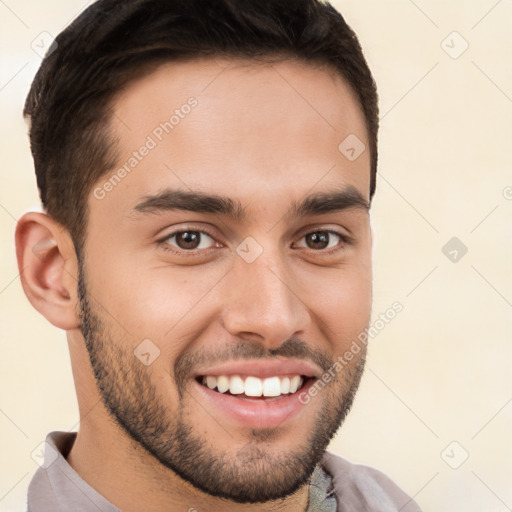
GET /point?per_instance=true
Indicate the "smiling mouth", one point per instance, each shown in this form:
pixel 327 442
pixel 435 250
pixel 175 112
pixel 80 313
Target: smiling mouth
pixel 254 388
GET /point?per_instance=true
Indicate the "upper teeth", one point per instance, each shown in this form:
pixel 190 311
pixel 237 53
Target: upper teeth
pixel 253 386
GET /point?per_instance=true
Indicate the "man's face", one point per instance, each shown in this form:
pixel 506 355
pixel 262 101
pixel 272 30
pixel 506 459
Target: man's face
pixel 266 283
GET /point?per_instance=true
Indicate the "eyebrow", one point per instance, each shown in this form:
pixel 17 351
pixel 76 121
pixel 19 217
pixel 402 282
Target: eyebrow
pixel 315 204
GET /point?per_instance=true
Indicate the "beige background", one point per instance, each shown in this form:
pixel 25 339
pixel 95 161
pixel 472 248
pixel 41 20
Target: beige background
pixel 440 371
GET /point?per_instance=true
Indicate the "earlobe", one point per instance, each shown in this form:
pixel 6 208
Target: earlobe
pixel 48 268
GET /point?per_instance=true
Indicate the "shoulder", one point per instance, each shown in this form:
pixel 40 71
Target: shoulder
pixel 363 488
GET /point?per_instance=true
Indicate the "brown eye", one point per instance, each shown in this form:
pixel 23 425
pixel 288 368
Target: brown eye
pixel 189 240
pixel 320 240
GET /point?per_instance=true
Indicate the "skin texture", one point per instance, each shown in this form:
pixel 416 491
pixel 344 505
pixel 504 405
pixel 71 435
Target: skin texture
pixel 263 134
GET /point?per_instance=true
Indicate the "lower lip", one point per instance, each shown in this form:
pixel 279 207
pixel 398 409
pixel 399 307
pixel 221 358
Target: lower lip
pixel 257 413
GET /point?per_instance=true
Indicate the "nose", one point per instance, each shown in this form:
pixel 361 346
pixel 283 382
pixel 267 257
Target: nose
pixel 263 302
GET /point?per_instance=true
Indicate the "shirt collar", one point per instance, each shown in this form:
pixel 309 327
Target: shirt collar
pixel 56 486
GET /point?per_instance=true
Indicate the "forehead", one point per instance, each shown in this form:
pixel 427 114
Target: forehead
pixel 244 128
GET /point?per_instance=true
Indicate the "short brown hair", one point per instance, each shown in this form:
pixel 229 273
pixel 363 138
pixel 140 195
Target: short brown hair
pixel 112 42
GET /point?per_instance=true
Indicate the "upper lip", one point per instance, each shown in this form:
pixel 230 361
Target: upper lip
pixel 263 368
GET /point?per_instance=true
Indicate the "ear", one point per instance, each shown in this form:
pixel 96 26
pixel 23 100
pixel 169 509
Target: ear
pixel 48 268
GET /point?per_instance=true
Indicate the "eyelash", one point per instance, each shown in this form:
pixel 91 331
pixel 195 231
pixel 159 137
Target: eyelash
pixel 163 243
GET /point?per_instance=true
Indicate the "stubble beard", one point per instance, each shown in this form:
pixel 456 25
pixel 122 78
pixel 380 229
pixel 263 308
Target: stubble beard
pixel 254 473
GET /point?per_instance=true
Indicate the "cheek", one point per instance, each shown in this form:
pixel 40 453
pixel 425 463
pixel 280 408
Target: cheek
pixel 158 303
pixel 340 302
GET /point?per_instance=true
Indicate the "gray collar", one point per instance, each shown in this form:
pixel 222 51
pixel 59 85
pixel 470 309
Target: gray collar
pixel 321 492
pixel 57 487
